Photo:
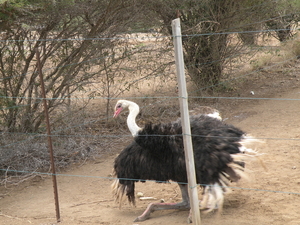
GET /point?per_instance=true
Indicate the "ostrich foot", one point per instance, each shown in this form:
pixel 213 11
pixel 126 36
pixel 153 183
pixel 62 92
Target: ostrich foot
pixel 161 206
pixel 190 218
pixel 204 210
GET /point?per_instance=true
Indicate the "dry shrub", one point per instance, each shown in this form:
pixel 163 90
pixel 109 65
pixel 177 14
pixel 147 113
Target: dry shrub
pixel 76 137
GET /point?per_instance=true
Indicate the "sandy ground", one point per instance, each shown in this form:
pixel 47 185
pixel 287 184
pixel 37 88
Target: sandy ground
pixel 270 197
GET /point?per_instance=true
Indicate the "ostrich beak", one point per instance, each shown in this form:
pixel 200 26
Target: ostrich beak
pixel 117 112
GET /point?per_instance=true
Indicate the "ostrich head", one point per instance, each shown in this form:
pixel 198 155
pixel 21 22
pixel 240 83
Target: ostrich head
pixel 134 110
pixel 120 106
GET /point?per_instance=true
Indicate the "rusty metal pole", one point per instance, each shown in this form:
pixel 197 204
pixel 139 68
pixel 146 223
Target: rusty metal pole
pixel 49 136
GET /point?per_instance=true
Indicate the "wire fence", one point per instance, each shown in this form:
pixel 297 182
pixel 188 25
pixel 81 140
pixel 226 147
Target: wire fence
pixel 14 145
pixel 141 180
pixel 164 98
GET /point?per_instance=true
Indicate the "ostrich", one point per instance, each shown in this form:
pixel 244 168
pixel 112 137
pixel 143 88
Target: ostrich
pixel 157 153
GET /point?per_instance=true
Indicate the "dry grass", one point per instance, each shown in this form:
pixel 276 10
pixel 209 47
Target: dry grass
pixel 277 53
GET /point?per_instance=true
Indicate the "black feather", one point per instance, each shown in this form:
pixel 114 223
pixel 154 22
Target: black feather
pixel 157 153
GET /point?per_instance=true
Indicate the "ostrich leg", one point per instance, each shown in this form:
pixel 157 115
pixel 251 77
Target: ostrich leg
pixel 185 204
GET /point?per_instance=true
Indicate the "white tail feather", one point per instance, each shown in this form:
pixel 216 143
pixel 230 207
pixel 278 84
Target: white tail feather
pixel 118 192
pixel 213 198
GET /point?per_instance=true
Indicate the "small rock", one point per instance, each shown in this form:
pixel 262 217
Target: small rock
pixel 139 194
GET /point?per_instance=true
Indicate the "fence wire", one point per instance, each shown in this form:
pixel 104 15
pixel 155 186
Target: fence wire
pixel 59 132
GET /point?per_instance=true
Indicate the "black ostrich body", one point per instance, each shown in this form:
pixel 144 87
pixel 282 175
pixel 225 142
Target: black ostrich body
pixel 157 153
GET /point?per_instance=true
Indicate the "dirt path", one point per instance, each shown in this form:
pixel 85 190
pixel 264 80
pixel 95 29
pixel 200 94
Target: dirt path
pixel 270 199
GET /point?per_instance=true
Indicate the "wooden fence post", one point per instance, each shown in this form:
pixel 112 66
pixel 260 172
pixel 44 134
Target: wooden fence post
pixel 185 118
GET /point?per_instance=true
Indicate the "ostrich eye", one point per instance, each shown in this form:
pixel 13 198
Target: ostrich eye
pixel 118 106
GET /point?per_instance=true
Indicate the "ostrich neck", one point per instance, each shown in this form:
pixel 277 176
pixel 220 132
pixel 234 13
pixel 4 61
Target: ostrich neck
pixel 133 112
